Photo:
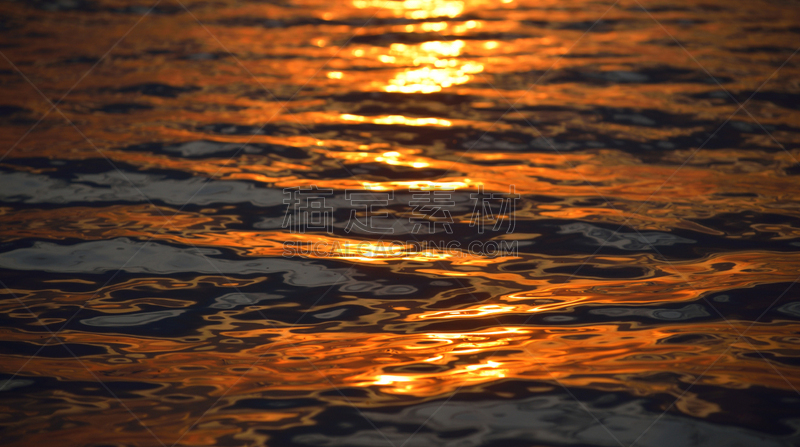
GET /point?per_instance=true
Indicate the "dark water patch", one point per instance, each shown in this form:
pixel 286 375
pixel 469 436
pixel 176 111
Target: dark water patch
pixel 380 172
pixel 784 99
pixel 793 170
pixel 586 76
pixel 8 384
pixel 717 136
pixel 15 115
pixel 595 26
pixel 761 409
pixel 737 194
pixel 598 55
pixel 239 299
pixel 123 108
pixel 64 350
pixel 697 7
pixel 87 6
pixel 200 148
pixel 157 9
pixel 102 257
pixel 350 392
pixel 117 186
pixel 596 271
pixel 131 320
pixel 624 240
pixel 792 309
pixel 8 110
pixel 550 419
pixel 64 5
pixel 577 139
pixel 679 243
pixel 688 312
pixel 152 321
pixel 783 360
pixel 204 56
pixel 648 117
pixel 756 49
pixel 63 282
pixel 69 169
pixel 45 385
pixel 763 303
pixel 87 60
pixel 339 313
pixel 157 89
pixel 209 148
pixel 755 224
pixel 692 339
pixel 236 129
pixel 520 267
pixel 275 404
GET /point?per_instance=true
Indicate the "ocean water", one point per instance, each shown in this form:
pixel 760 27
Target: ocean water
pixel 399 223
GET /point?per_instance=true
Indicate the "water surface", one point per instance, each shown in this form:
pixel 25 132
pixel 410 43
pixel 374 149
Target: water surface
pixel 640 291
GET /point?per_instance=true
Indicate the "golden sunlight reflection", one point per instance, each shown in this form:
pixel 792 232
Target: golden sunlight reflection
pixel 436 66
pixel 578 356
pixel 423 185
pixel 398 119
pixel 477 311
pixel 416 9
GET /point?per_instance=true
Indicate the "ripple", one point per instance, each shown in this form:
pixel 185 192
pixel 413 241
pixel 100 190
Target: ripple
pixel 624 241
pixel 685 313
pixel 129 320
pixel 550 420
pixel 97 257
pixel 117 186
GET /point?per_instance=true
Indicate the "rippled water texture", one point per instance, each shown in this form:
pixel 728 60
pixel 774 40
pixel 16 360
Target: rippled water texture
pixel 633 282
